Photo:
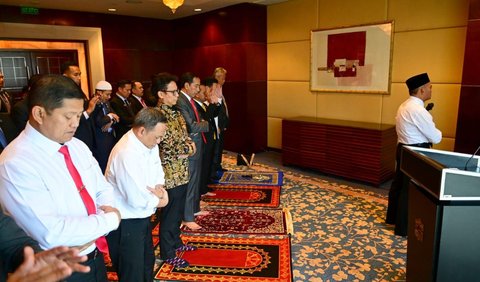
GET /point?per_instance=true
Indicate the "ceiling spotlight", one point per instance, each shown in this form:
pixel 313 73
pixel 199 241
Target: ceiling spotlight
pixel 112 9
pixel 197 10
pixel 173 4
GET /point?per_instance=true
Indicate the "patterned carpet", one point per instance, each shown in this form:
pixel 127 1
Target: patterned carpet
pixel 241 221
pixel 339 231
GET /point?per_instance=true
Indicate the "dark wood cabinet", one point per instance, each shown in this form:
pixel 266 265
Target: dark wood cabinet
pixel 354 150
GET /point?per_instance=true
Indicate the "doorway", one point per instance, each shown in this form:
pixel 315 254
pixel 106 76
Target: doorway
pixel 19 65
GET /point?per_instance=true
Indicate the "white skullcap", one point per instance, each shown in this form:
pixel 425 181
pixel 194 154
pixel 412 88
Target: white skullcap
pixel 103 85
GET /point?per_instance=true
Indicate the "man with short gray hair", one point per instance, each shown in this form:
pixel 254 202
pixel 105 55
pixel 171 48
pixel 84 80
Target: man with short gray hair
pixel 135 171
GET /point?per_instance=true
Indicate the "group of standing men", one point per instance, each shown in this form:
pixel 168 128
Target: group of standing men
pixel 51 184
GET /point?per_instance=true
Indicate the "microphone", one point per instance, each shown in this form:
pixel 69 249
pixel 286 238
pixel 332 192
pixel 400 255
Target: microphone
pixel 429 106
pixel 476 151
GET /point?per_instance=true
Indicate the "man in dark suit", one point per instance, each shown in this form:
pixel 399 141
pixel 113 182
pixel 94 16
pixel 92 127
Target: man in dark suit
pixel 104 121
pixel 122 107
pixel 222 121
pixel 196 128
pixel 136 99
pixel 208 107
pixel 17 247
pixel 85 128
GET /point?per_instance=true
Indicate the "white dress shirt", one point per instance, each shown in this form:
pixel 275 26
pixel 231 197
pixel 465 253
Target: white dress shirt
pixel 37 190
pixel 131 168
pixel 414 124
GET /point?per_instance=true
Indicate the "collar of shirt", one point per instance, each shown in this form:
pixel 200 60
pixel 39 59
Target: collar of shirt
pixel 186 95
pixel 137 145
pixel 198 102
pixel 416 100
pixel 46 144
pixel 121 97
pixel 138 98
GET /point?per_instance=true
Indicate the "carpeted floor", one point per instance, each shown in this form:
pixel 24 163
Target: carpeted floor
pixel 338 227
pixel 339 230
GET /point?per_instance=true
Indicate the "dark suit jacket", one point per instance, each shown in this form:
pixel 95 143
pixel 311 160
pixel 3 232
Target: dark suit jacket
pixel 8 127
pixel 125 114
pixel 12 241
pixel 135 104
pixel 194 128
pixel 223 119
pixel 20 114
pixel 85 129
pixel 104 140
pixel 208 114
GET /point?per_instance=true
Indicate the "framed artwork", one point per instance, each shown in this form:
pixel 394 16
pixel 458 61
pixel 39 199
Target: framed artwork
pixel 352 59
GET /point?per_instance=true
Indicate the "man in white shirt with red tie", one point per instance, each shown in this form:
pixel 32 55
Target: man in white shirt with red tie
pixel 51 184
pixel 135 171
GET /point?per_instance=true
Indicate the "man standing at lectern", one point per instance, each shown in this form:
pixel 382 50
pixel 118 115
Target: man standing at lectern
pixel 415 127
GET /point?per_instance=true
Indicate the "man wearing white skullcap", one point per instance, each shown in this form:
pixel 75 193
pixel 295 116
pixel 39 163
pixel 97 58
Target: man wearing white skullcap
pixel 104 120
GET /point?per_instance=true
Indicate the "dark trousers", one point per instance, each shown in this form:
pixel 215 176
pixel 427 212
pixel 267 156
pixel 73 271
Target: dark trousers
pixel 98 271
pixel 131 250
pixel 170 220
pixel 207 166
pixel 397 210
pixel 192 198
pixel 217 154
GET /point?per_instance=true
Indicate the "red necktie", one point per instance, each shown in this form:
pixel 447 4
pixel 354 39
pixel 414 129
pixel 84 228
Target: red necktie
pixel 143 103
pixel 87 200
pixel 198 119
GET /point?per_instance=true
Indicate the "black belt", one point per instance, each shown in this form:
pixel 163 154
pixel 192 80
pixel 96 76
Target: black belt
pixel 93 254
pixel 422 145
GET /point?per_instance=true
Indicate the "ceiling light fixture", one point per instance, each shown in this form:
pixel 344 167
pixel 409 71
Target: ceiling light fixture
pixel 173 4
pixel 197 10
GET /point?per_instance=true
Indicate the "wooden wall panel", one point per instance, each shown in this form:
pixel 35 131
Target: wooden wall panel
pixel 235 24
pixel 467 137
pixel 233 37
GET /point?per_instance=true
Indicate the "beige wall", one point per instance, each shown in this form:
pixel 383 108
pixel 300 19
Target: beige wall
pixel 429 36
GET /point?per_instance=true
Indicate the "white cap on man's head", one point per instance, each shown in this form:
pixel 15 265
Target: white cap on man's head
pixel 103 85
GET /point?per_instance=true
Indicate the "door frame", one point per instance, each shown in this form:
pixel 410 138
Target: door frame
pixel 92 37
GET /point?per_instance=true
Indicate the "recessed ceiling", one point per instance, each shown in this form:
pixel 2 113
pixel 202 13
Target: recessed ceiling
pixel 139 8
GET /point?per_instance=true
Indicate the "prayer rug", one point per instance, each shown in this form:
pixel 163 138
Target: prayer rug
pixel 244 196
pixel 273 178
pixel 241 221
pixel 232 259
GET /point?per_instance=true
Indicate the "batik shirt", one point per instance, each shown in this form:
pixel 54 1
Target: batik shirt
pixel 175 143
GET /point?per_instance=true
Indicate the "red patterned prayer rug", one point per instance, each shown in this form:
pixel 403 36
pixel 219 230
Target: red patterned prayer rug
pixel 241 221
pixel 232 259
pixel 273 178
pixel 244 196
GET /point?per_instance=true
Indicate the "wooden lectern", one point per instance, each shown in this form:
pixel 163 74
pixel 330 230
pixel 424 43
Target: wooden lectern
pixel 443 215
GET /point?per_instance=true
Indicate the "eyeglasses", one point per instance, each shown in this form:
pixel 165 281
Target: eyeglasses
pixel 174 92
